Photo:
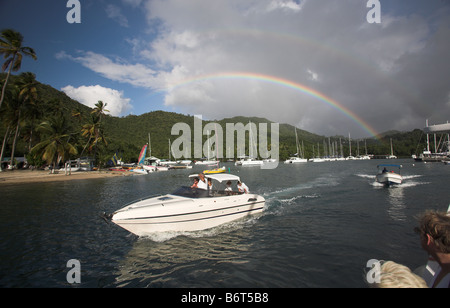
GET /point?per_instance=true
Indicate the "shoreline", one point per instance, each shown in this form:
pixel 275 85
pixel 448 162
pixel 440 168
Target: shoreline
pixel 17 177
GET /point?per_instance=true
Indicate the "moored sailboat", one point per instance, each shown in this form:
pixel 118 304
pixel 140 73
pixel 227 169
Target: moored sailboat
pixel 296 158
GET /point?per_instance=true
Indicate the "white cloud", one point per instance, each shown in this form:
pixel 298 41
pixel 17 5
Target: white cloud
pixel 114 12
pixel 287 5
pixel 359 63
pixel 133 3
pixel 382 73
pixel 313 76
pixel 117 69
pixel 90 95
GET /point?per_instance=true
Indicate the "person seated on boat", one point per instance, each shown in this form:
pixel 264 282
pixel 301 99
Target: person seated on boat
pixel 228 189
pixel 242 188
pixel 385 170
pixel 210 184
pixel 195 183
pixel 202 182
pixel 434 231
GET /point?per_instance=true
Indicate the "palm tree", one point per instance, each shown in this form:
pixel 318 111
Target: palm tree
pixel 94 129
pixel 55 146
pixel 77 114
pixel 28 91
pixel 100 110
pixel 17 109
pixel 19 106
pixel 12 50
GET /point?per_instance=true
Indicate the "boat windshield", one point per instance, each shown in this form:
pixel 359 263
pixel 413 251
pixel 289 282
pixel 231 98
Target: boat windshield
pixel 186 191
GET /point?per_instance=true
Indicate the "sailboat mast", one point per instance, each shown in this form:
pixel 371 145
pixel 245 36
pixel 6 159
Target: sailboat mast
pixel 149 146
pixel 208 134
pixel 392 149
pixel 350 144
pixel 170 158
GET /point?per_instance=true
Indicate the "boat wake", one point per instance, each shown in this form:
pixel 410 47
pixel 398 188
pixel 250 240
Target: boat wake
pixel 408 180
pixel 212 232
pixel 366 176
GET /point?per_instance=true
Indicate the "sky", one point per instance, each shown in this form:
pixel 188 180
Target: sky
pixel 316 64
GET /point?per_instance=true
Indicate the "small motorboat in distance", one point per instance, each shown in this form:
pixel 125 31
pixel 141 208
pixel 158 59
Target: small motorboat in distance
pixel 189 209
pixel 387 176
pixel 215 171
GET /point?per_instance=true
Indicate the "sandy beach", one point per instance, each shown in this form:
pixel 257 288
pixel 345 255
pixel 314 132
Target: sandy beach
pixel 36 176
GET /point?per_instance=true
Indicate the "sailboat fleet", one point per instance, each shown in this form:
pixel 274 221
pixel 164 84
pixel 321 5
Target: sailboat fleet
pixel 332 152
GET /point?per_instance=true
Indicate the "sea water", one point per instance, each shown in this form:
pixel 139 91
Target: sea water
pixel 322 223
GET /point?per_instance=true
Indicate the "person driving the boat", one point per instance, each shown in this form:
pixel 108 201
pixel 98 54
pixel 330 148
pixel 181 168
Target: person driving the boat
pixel 195 183
pixel 242 187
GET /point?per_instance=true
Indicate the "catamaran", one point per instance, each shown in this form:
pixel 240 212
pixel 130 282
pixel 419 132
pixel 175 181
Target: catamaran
pixel 189 209
pixel 441 149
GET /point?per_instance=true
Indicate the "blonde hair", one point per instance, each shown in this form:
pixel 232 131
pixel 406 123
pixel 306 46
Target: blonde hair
pixel 394 275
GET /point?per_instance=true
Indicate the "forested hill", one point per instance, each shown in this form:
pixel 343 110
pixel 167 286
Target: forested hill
pixel 132 132
pixel 126 135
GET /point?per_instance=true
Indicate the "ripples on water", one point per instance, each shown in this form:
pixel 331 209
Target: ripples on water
pixel 322 223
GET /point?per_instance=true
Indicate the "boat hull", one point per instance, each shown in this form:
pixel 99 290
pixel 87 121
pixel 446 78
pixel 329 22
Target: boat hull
pixel 178 214
pixel 215 171
pixel 389 178
pixel 296 161
pixel 249 163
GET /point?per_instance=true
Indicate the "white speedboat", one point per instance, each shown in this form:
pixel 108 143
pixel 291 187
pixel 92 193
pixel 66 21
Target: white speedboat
pixel 387 176
pixel 247 161
pixel 189 209
pixel 206 162
pixel 317 160
pixel 295 160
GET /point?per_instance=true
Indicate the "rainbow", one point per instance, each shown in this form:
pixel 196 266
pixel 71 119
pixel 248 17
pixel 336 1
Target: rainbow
pixel 288 84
